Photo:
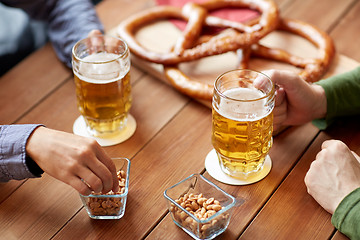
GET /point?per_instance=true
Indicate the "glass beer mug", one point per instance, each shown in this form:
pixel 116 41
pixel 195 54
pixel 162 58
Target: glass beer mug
pixel 242 121
pixel 101 66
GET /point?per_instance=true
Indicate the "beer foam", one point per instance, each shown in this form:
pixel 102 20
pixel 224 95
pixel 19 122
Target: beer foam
pixel 102 68
pixel 243 110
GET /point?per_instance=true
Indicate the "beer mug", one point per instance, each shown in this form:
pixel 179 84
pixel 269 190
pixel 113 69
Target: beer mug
pixel 242 121
pixel 101 66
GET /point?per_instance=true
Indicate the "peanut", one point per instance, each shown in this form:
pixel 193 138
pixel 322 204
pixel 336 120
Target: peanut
pixel 108 206
pixel 202 208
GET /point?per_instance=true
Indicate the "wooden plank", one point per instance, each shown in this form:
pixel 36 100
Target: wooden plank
pixel 151 100
pixel 52 205
pixel 7 188
pixel 339 236
pixel 346 33
pixel 162 35
pixel 310 11
pixel 176 152
pixel 292 213
pixel 44 70
pixel 17 92
pixel 112 12
pixel 287 149
pixel 62 112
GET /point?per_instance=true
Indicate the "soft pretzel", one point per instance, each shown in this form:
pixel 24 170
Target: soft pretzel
pixel 239 37
pixel 196 16
pixel 313 68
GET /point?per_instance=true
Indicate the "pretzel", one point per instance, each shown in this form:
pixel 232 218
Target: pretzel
pixel 313 68
pixel 236 36
pixel 197 17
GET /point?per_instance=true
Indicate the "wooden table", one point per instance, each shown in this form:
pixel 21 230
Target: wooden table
pixel 170 143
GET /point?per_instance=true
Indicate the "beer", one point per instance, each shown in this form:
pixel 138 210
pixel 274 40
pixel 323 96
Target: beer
pixel 103 92
pixel 242 123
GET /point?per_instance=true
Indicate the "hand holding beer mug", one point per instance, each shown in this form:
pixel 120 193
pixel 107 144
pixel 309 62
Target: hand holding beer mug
pixel 101 66
pixel 242 125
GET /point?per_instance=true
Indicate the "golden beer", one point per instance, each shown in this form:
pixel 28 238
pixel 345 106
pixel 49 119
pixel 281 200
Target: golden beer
pixel 242 123
pixel 103 91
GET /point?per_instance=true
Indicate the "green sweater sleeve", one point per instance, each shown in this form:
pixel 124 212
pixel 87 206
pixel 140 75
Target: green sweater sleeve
pixel 343 96
pixel 346 217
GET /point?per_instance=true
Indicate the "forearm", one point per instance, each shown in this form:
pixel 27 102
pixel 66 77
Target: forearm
pixel 68 21
pixel 346 217
pixel 13 139
pixel 342 95
pixel 71 21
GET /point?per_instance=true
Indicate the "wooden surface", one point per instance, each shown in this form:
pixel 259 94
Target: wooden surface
pixel 170 143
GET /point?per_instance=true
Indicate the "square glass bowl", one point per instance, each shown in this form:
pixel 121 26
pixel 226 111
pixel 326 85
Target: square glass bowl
pixel 109 206
pixel 194 206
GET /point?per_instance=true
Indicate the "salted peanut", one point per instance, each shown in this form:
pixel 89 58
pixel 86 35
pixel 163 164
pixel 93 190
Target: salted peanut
pixel 111 205
pixel 113 211
pixel 201 201
pixel 210 201
pixel 94 205
pixel 183 215
pixel 202 208
pixel 216 207
pixel 195 206
pixel 122 183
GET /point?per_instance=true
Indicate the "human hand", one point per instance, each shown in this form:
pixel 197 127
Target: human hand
pixel 98 42
pixel 333 175
pixel 296 102
pixel 74 160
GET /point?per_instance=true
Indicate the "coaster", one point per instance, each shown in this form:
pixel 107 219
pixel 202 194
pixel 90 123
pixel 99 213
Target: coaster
pixel 213 167
pixel 79 128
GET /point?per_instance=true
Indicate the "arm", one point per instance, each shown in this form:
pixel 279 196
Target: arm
pixel 298 102
pixel 69 21
pixel 333 180
pixel 13 157
pixel 346 217
pixel 343 96
pixel 77 161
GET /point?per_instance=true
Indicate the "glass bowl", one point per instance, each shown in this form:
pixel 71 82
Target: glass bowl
pixel 199 207
pixel 111 205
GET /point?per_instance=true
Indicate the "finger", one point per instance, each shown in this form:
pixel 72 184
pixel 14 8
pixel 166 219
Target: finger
pixel 109 164
pixel 103 173
pixel 356 156
pixel 277 127
pixel 326 144
pixel 262 82
pixel 280 114
pixel 90 178
pixel 95 43
pixel 331 143
pixel 94 32
pixel 279 96
pixel 114 45
pixel 285 78
pixel 79 185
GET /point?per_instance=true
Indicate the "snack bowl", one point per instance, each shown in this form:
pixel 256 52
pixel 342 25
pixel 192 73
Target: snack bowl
pixel 199 207
pixel 110 205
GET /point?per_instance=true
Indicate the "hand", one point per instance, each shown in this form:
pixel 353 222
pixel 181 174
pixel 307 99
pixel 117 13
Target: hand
pixel 333 175
pixel 77 161
pixel 99 43
pixel 296 102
